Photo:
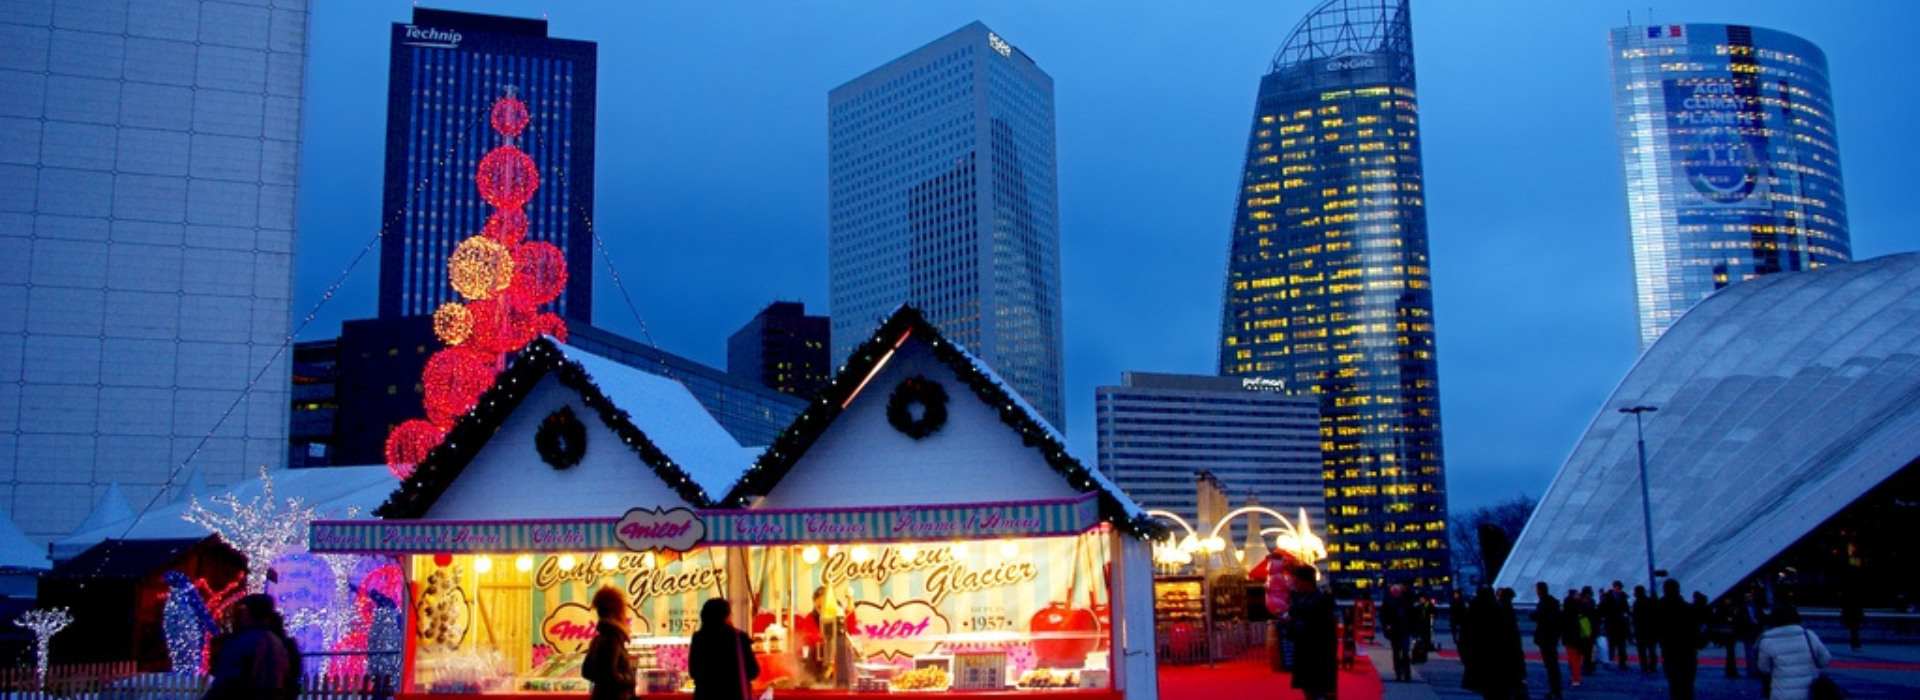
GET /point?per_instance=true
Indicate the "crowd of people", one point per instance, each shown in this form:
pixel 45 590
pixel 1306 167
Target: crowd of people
pixel 1589 632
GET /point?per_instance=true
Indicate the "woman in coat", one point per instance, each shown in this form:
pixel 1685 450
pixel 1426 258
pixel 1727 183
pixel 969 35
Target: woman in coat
pixel 720 658
pixel 1496 668
pixel 1790 655
pixel 607 665
pixel 1312 627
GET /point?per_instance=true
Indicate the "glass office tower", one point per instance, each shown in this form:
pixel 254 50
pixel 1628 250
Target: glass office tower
pixel 943 195
pixel 446 70
pixel 1328 288
pixel 1731 160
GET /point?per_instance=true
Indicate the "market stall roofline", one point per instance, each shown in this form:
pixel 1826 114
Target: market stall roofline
pixel 987 386
pixel 570 366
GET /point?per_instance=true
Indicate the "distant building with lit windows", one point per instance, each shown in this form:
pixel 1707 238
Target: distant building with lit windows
pixel 943 194
pixel 1157 431
pixel 783 349
pixel 1328 287
pixel 1731 159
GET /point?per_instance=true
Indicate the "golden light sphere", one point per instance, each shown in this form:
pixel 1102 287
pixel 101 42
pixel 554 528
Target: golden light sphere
pixel 480 268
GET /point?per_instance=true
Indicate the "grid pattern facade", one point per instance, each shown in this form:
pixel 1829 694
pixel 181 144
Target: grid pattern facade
pixel 783 349
pixel 943 196
pixel 1328 287
pixel 149 155
pixel 1158 431
pixel 447 69
pixel 1731 159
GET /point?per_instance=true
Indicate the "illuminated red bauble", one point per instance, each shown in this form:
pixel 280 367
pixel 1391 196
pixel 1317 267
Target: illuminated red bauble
pixel 499 326
pixel 539 273
pixel 549 324
pixel 507 178
pixel 409 443
pixel 509 116
pixel 454 380
pixel 506 227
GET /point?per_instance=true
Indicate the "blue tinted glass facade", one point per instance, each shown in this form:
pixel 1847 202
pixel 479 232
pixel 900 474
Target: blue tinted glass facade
pixel 1328 285
pixel 447 69
pixel 942 194
pixel 1731 159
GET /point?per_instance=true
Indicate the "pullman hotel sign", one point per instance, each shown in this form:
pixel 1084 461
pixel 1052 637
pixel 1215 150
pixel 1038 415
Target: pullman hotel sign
pixel 681 529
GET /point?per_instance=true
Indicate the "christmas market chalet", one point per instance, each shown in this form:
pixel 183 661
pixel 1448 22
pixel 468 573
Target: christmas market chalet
pixel 918 528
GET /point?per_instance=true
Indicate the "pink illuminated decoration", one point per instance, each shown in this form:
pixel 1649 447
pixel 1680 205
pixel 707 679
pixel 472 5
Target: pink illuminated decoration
pixel 504 278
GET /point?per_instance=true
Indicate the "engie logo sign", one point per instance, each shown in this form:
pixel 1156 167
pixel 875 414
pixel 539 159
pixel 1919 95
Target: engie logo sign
pixel 644 530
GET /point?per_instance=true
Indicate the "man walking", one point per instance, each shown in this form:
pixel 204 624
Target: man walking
pixel 1546 636
pixel 1680 640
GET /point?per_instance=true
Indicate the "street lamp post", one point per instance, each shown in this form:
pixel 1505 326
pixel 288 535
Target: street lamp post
pixel 1646 500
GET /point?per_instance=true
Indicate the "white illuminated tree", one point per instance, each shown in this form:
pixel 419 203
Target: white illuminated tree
pixel 259 528
pixel 44 623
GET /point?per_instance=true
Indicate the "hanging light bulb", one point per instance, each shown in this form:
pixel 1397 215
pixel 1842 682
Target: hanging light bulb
pixel 524 563
pixel 859 554
pixel 909 552
pixel 482 564
pixel 959 550
pixel 648 560
pixel 567 562
pixel 810 555
pixel 1009 549
pixel 609 561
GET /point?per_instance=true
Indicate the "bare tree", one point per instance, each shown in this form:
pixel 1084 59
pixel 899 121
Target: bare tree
pixel 1502 522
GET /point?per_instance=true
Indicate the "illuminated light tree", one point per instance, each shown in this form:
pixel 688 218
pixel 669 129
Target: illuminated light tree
pixel 480 268
pixel 259 528
pixel 44 623
pixel 186 624
pixel 454 380
pixel 452 323
pixel 409 443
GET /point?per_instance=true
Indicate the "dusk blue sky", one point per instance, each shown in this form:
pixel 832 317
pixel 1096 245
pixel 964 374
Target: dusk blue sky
pixel 712 176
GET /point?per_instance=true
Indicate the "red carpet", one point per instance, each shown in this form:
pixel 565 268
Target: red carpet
pixel 1252 678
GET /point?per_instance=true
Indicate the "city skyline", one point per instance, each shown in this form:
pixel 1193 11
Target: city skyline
pixel 1153 105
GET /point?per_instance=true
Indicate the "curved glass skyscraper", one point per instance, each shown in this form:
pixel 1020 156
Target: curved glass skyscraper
pixel 1731 160
pixel 1328 287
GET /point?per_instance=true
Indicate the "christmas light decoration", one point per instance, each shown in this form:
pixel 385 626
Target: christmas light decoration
pixel 409 443
pixel 480 268
pixel 549 324
pixel 509 115
pixel 452 323
pixel 500 327
pixel 507 177
pixel 506 227
pixel 260 529
pixel 186 625
pixel 453 381
pixel 540 273
pixel 44 623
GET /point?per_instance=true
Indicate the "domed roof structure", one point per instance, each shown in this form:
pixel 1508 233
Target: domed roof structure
pixel 1780 401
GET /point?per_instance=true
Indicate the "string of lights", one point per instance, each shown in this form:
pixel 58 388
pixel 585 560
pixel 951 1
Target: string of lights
pixel 44 623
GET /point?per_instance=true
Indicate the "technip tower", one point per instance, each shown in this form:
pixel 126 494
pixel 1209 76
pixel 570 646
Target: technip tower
pixel 943 194
pixel 1328 287
pixel 1731 161
pixel 447 69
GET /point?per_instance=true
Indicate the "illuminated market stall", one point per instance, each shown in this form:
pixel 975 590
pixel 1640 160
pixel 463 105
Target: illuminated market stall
pixel 916 529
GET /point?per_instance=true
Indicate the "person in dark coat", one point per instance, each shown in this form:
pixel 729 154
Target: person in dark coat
pixel 1646 629
pixel 720 658
pixel 1311 615
pixel 1574 626
pixel 1680 639
pixel 1852 615
pixel 1456 615
pixel 607 665
pixel 251 663
pixel 1546 636
pixel 1613 616
pixel 1496 667
pixel 1396 620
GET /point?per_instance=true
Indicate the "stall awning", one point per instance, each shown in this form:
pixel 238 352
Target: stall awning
pixel 682 529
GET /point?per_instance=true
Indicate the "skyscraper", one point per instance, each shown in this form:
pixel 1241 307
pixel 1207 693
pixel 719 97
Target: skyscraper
pixel 942 192
pixel 1731 159
pixel 446 70
pixel 149 155
pixel 1328 287
pixel 783 349
pixel 1158 430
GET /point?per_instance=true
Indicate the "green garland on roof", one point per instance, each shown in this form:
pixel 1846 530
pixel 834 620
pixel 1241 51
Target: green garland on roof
pixel 795 439
pixel 445 462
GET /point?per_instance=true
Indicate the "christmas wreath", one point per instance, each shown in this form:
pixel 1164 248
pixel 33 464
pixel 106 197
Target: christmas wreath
pixel 562 439
pixel 933 407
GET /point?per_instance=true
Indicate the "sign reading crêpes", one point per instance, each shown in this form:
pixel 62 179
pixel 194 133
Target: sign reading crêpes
pixel 681 529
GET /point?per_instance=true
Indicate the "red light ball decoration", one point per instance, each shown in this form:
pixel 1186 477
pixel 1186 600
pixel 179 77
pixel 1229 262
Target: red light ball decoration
pixel 500 327
pixel 506 227
pixel 409 443
pixel 507 177
pixel 509 116
pixel 454 380
pixel 539 273
pixel 549 324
